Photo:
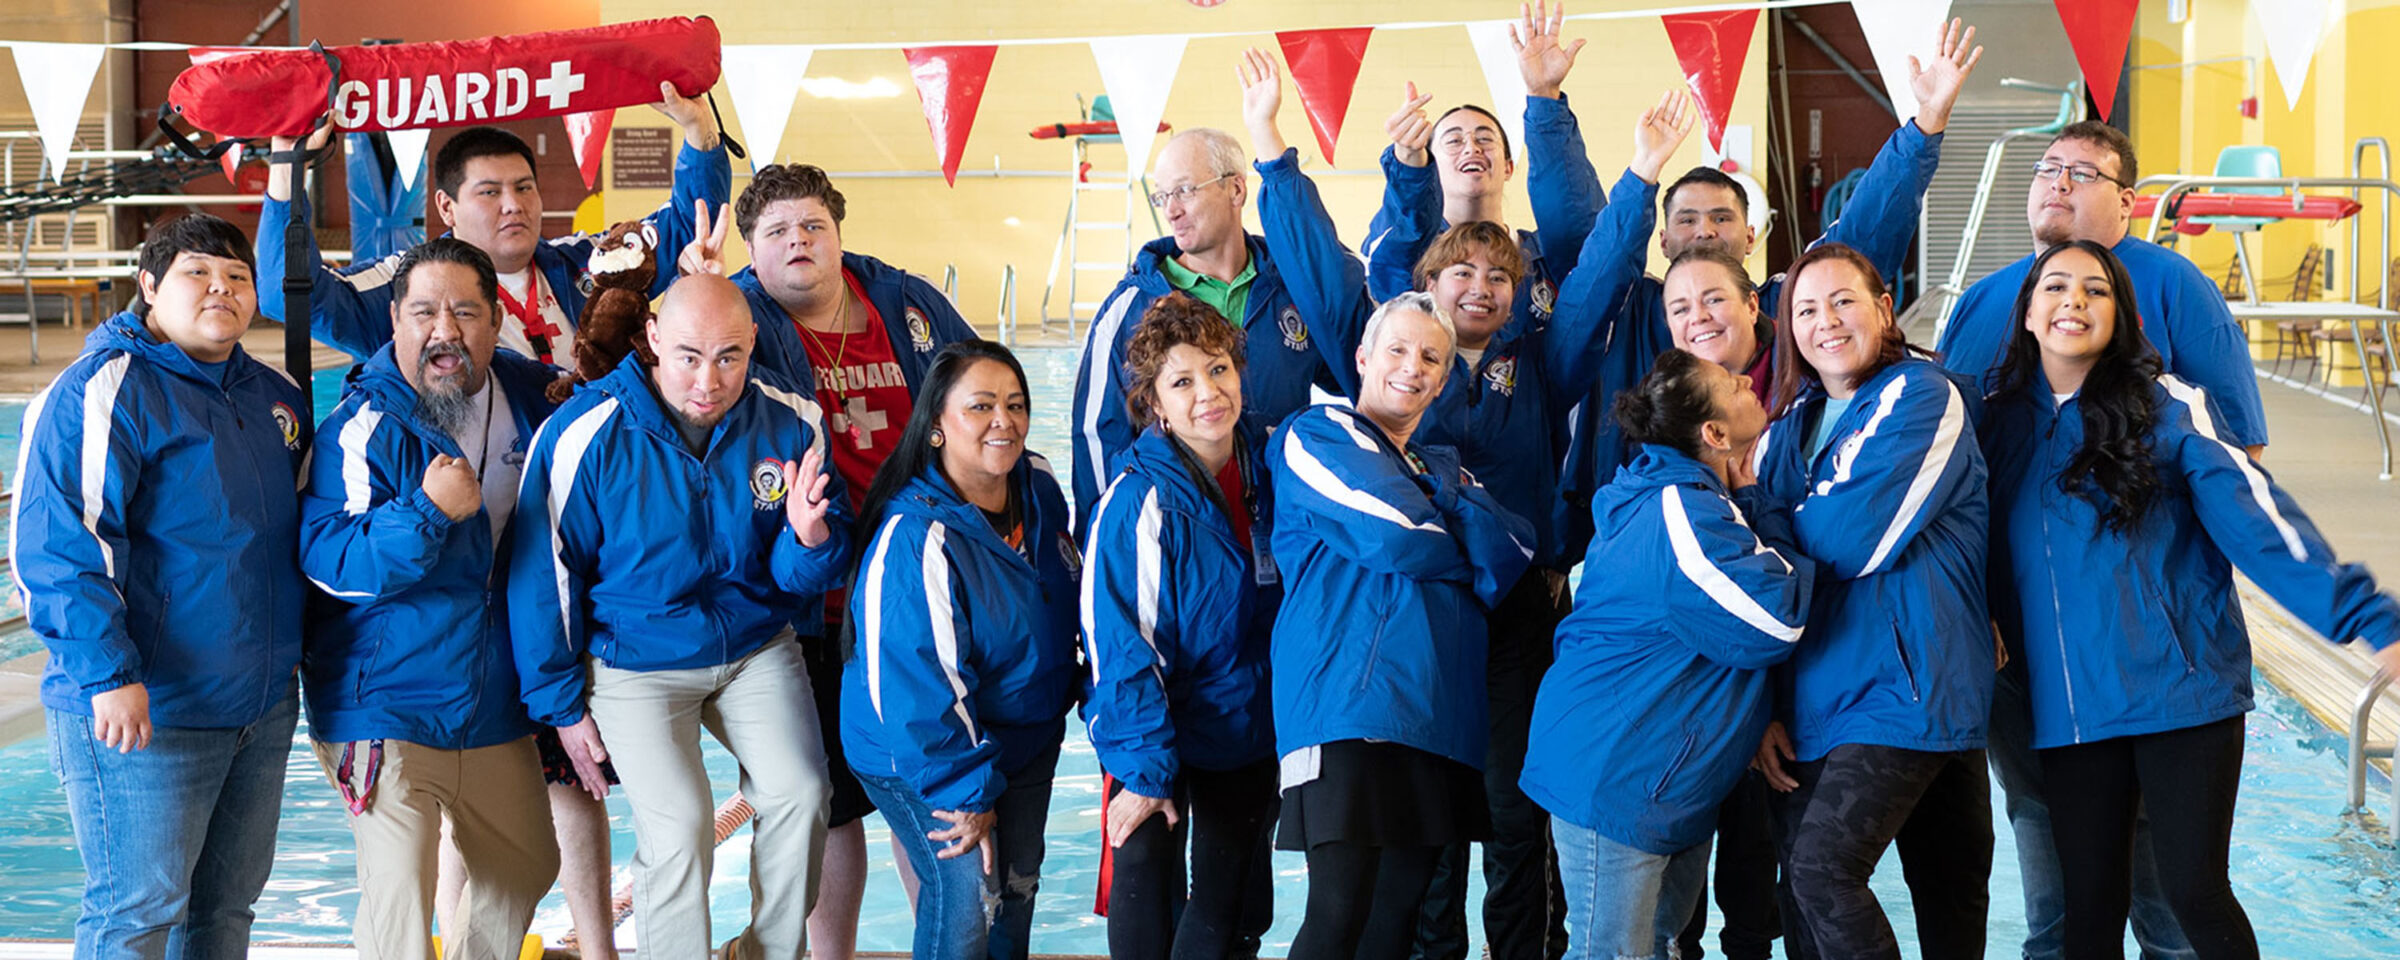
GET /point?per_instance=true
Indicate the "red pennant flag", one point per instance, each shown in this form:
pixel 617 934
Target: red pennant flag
pixel 587 133
pixel 1711 48
pixel 231 159
pixel 950 85
pixel 1324 65
pixel 2099 31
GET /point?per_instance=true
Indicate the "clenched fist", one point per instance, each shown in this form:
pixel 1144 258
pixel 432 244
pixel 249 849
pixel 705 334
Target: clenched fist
pixel 451 484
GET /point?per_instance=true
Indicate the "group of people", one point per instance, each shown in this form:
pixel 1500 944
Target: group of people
pixel 1828 577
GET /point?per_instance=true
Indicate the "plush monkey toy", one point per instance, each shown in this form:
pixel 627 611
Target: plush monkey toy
pixel 616 307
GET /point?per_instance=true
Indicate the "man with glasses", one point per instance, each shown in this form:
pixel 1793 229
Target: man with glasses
pixel 2083 190
pixel 1200 187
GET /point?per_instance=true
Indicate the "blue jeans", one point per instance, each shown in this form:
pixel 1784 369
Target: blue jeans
pixel 961 913
pixel 1623 902
pixel 2020 774
pixel 176 838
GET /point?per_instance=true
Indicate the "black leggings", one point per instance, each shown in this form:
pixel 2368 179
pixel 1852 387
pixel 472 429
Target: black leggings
pixel 2186 779
pixel 1362 901
pixel 1230 819
pixel 1858 800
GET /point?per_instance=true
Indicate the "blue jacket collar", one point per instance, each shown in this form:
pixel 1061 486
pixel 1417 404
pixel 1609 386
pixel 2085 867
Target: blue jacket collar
pixel 1147 274
pixel 630 384
pixel 1655 466
pixel 930 495
pixel 127 332
pixel 522 380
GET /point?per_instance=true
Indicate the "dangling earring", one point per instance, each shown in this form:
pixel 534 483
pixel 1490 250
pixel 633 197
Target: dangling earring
pixel 937 438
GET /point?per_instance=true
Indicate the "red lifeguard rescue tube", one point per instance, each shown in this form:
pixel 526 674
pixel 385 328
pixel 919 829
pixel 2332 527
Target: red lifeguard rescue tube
pixel 415 86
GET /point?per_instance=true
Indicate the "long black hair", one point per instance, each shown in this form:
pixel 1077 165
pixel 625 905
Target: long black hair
pixel 2116 470
pixel 915 452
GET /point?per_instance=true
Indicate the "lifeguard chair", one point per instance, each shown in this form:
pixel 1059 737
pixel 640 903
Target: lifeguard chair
pixel 1096 124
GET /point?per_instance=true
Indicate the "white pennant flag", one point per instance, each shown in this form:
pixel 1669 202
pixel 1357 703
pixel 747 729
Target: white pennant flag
pixel 58 79
pixel 408 153
pixel 763 80
pixel 1138 72
pixel 2292 29
pixel 1897 29
pixel 1499 59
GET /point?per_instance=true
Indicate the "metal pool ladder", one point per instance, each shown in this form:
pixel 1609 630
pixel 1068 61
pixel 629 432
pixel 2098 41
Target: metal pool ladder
pixel 2363 750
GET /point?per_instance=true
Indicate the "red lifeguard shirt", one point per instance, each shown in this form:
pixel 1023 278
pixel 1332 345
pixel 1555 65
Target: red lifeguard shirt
pixel 866 400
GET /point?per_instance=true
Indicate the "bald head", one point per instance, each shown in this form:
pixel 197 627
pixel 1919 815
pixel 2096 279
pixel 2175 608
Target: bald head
pixel 702 337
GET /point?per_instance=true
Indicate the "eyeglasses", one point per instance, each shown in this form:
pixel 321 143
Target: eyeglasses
pixel 2081 173
pixel 1184 193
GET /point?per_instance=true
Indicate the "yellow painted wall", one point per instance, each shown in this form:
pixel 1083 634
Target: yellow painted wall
pixel 984 223
pixel 2184 116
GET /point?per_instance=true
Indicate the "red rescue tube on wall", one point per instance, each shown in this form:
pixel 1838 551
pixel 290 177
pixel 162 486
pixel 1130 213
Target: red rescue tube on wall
pixel 415 86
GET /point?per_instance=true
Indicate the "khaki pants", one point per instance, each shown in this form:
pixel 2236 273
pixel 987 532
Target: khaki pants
pixel 760 707
pixel 499 812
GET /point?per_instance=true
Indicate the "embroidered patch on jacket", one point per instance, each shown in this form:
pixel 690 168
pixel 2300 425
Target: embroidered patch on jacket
pixel 1070 556
pixel 920 330
pixel 1501 374
pixel 766 484
pixel 1544 296
pixel 287 422
pixel 1295 333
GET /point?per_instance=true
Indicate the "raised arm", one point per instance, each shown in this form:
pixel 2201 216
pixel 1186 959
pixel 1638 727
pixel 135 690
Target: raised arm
pixel 1564 186
pixel 1497 543
pixel 1618 246
pixel 1411 213
pixel 1324 279
pixel 349 310
pixel 1881 220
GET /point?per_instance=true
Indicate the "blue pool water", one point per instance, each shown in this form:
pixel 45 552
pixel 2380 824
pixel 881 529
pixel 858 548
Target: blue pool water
pixel 2317 883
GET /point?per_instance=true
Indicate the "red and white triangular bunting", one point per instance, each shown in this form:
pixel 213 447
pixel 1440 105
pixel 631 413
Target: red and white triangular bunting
pixel 2292 29
pixel 408 153
pixel 1324 66
pixel 1499 60
pixel 1138 73
pixel 1897 29
pixel 58 79
pixel 763 81
pixel 587 133
pixel 1711 48
pixel 950 87
pixel 2099 31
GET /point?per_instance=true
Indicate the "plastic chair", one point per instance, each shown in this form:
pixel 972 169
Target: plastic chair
pixel 2246 161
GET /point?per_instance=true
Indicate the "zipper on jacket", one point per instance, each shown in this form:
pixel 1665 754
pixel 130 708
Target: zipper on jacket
pixel 2058 624
pixel 259 502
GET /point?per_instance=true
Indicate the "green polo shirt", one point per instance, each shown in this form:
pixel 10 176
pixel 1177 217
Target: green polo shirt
pixel 1232 300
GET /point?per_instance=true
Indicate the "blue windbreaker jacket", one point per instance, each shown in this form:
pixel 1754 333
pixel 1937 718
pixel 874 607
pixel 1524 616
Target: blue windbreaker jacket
pixel 1565 190
pixel 1388 575
pixel 156 527
pixel 1280 347
pixel 630 549
pixel 1880 222
pixel 965 660
pixel 351 309
pixel 416 648
pixel 1660 692
pixel 917 318
pixel 2184 317
pixel 1504 413
pixel 1178 617
pixel 2131 634
pixel 1900 650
